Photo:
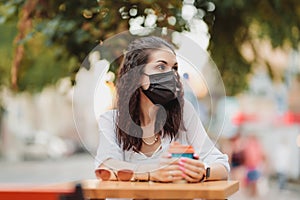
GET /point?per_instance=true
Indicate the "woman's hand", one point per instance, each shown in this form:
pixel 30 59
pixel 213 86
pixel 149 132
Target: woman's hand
pixel 193 169
pixel 169 170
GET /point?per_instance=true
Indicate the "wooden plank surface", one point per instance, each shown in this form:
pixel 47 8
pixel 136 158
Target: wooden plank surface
pixel 95 189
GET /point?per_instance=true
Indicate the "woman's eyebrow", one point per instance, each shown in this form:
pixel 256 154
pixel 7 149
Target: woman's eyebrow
pixel 165 62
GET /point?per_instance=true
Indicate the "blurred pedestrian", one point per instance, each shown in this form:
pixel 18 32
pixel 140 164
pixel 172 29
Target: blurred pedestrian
pixel 282 162
pixel 237 157
pixel 254 163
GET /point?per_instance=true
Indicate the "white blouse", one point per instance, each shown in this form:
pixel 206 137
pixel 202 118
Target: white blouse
pixel 195 135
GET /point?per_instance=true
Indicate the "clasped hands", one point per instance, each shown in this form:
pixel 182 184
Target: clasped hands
pixel 176 169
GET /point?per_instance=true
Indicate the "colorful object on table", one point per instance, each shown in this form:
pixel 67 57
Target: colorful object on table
pixel 178 150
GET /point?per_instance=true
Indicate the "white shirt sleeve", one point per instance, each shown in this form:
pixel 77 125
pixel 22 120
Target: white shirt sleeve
pixel 108 145
pixel 198 138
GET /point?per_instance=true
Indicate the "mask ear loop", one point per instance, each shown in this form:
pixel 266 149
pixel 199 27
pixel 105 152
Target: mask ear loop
pixel 177 77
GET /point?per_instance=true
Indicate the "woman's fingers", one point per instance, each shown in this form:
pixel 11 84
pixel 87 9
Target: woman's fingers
pixel 166 155
pixel 169 170
pixel 173 175
pixel 192 166
pixel 174 169
pixel 196 156
pixel 193 176
pixel 193 170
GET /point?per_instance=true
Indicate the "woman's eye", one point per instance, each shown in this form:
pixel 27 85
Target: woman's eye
pixel 175 68
pixel 161 67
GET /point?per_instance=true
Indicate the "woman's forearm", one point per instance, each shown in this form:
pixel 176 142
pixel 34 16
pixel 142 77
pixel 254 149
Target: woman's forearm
pixel 147 171
pixel 217 172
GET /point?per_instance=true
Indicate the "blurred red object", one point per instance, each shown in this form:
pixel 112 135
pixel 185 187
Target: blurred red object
pixel 241 118
pixel 60 191
pixel 291 118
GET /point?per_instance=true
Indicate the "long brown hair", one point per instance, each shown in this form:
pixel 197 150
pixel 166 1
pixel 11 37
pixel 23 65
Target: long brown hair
pixel 129 132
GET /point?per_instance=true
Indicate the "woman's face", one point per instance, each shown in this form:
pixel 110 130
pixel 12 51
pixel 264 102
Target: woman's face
pixel 159 61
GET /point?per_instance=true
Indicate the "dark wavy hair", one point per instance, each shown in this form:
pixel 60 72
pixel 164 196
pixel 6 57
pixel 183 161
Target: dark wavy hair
pixel 129 132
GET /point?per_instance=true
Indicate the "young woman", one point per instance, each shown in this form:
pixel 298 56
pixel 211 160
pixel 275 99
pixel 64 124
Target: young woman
pixel 151 114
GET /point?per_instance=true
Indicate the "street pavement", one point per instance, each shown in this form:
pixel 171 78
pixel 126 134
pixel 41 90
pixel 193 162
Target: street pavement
pixel 73 168
pixel 292 192
pixel 81 166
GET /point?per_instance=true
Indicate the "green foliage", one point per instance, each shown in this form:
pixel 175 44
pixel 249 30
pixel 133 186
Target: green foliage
pixel 69 30
pixel 7 34
pixel 43 66
pixel 75 28
pixel 276 20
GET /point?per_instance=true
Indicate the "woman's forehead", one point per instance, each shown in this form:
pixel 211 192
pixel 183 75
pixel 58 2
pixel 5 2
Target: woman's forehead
pixel 162 54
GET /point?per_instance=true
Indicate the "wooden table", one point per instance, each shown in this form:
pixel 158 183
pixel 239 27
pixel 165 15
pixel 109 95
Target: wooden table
pixel 95 189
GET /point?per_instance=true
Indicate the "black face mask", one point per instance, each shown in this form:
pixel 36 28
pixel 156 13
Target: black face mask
pixel 163 88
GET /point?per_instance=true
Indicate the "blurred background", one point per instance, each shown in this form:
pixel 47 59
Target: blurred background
pixel 254 45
